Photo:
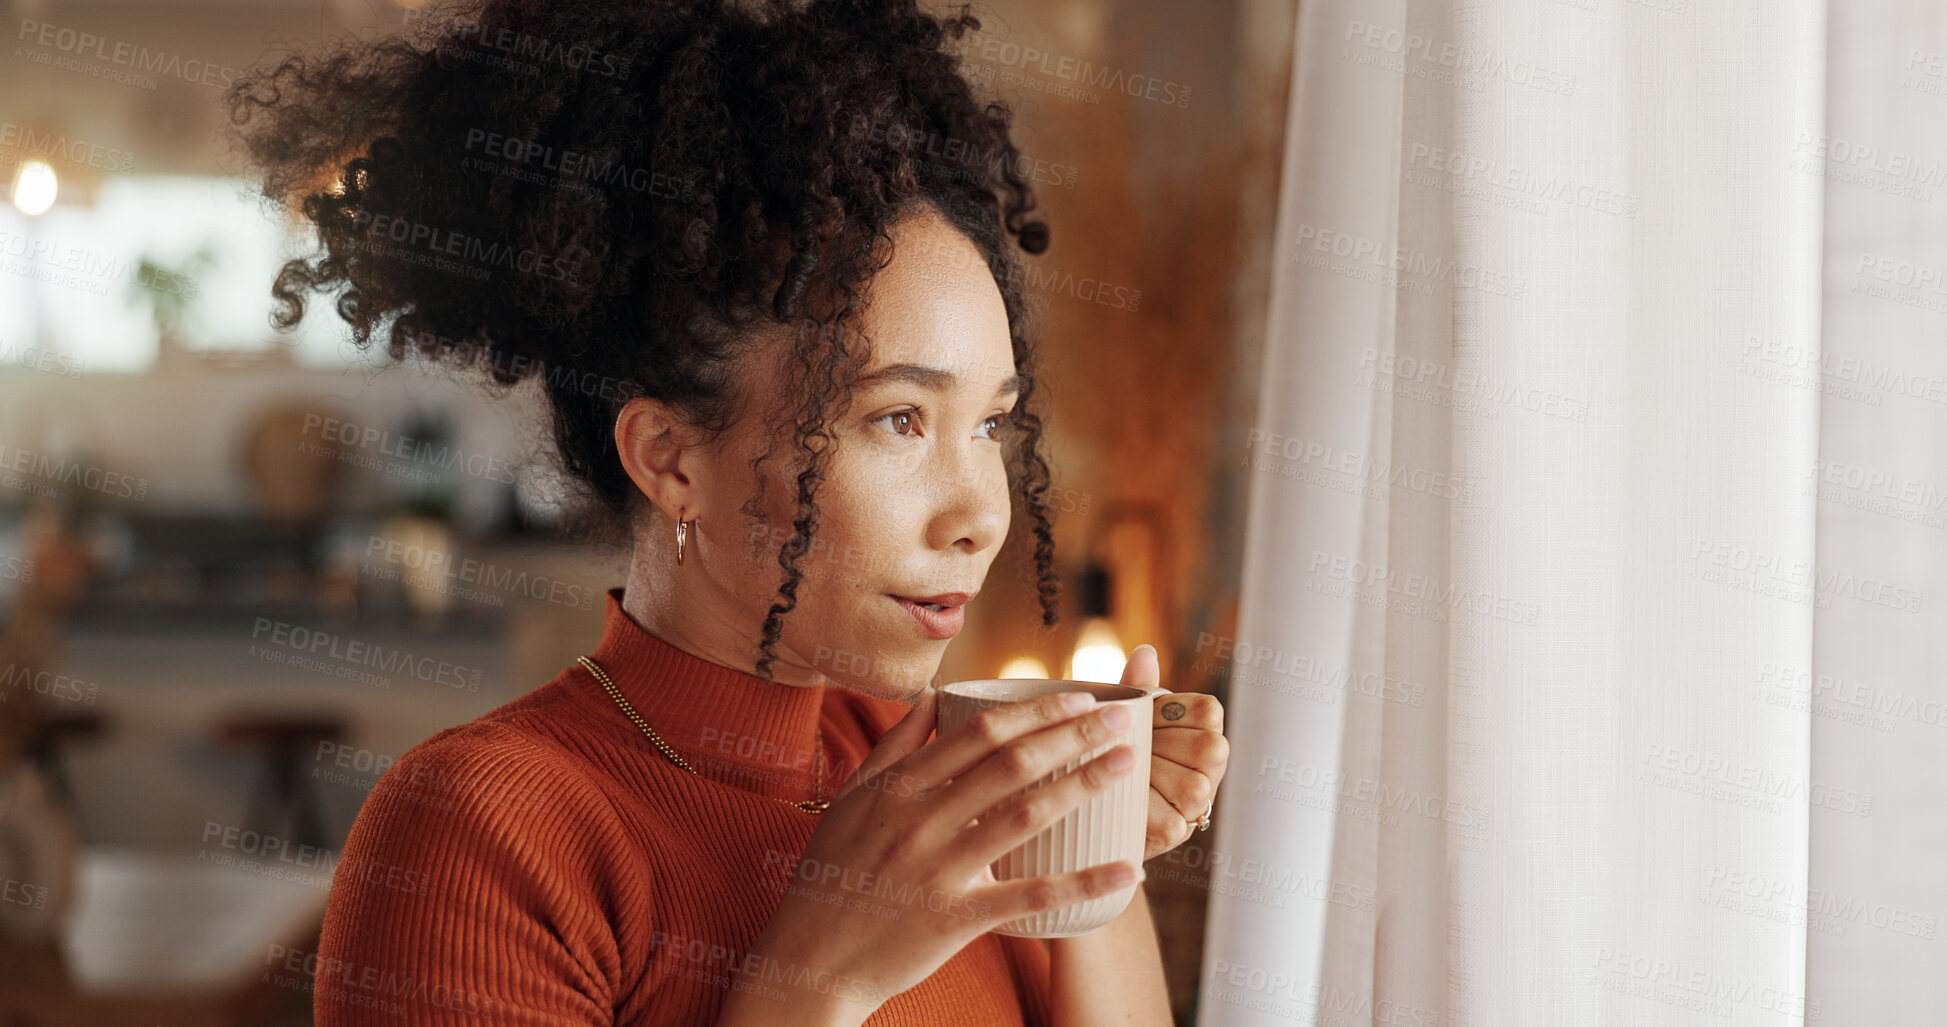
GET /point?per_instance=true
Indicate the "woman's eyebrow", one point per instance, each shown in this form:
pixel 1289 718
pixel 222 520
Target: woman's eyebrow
pixel 935 379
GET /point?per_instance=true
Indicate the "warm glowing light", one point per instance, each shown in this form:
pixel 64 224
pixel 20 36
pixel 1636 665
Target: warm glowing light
pixel 1098 653
pixel 1024 667
pixel 35 187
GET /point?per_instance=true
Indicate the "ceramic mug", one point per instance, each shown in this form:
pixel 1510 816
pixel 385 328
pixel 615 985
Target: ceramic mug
pixel 1108 827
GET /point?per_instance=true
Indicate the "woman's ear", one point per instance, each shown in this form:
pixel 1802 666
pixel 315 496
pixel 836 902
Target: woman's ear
pixel 654 443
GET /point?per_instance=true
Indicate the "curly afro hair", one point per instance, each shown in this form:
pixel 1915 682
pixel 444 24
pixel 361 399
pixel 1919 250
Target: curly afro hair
pixel 615 195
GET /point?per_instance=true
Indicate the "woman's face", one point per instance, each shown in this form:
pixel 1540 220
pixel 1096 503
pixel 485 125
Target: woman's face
pixel 915 500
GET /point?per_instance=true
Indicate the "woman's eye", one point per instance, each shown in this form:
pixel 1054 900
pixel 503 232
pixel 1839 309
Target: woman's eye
pixel 901 419
pixel 906 422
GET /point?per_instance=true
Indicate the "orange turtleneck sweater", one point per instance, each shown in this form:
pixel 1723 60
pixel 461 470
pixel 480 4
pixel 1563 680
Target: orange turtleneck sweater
pixel 544 864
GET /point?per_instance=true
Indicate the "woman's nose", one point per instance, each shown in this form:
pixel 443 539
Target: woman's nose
pixel 973 506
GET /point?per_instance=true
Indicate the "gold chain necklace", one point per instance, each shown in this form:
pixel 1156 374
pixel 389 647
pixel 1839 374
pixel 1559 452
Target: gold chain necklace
pixel 816 804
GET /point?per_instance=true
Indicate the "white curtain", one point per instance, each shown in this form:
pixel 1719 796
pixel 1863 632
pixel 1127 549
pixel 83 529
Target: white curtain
pixel 1592 665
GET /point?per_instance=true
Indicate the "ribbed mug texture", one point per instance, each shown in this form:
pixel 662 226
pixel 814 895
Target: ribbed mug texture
pixel 1106 828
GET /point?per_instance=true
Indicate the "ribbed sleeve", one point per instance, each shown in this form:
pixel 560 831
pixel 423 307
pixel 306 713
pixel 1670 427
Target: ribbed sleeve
pixel 465 891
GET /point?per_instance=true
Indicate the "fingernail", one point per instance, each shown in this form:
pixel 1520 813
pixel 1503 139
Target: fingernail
pixel 1117 717
pixel 1076 702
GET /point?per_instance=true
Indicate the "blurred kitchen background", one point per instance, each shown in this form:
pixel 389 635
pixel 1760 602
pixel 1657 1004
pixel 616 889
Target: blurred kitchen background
pixel 188 498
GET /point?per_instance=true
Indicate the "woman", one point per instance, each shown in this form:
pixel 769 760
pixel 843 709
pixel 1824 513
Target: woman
pixel 762 263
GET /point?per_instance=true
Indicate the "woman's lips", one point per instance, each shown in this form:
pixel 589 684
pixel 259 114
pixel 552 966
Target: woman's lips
pixel 937 624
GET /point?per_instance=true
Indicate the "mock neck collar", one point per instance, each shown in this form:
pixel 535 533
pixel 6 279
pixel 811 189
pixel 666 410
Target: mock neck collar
pixel 733 727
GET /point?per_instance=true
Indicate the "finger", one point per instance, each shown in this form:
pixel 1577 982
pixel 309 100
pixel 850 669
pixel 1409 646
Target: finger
pixel 1014 768
pixel 1030 811
pixel 1142 670
pixel 1166 828
pixel 1011 900
pixel 905 738
pixel 1188 709
pixel 1179 793
pixel 1192 747
pixel 1206 752
pixel 957 751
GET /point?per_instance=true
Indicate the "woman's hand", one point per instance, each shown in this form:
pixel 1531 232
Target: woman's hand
pixel 896 878
pixel 1188 753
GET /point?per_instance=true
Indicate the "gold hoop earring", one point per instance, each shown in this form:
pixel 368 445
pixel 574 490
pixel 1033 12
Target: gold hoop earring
pixel 682 537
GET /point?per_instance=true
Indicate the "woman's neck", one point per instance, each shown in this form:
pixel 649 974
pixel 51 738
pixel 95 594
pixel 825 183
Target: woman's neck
pixel 702 621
